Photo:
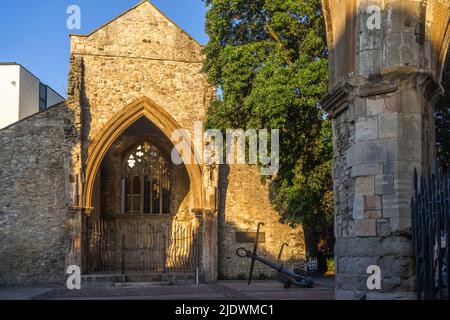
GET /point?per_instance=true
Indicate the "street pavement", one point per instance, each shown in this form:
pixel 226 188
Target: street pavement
pixel 224 290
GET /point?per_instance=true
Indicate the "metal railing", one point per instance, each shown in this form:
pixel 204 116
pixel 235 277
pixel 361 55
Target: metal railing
pixel 430 209
pixel 142 246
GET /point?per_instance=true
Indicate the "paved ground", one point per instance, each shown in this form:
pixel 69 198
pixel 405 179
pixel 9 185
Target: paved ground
pixel 229 290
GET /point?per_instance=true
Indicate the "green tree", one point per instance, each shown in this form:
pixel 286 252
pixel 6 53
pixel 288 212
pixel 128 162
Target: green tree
pixel 269 60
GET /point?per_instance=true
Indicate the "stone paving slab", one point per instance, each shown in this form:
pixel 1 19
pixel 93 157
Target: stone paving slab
pixel 225 290
pixel 22 293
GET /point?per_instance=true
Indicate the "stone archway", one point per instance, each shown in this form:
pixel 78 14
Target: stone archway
pixel 143 107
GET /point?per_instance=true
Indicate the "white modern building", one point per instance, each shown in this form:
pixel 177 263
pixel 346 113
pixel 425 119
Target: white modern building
pixel 22 94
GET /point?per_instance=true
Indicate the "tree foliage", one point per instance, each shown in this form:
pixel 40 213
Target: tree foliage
pixel 269 59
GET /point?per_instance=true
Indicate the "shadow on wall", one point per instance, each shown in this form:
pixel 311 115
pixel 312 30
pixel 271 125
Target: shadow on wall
pixel 35 162
pixel 230 265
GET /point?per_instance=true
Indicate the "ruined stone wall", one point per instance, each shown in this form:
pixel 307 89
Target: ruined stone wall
pixel 244 202
pixel 34 177
pixel 377 146
pixel 141 54
pixel 383 127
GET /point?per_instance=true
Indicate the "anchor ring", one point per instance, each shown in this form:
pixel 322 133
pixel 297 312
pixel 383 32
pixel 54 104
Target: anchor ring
pixel 242 252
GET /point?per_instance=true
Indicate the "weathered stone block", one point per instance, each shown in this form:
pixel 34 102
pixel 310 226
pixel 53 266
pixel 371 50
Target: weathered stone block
pixel 372 203
pixel 384 227
pixel 394 103
pixel 370 62
pixel 366 129
pixel 358 207
pixel 384 184
pixel 371 151
pixel 395 266
pixel 411 102
pixel 347 281
pixel 365 228
pixel 396 245
pixel 394 167
pixel 390 125
pixel 373 214
pixel 402 225
pixel 392 56
pixel 365 186
pixel 413 125
pixel 355 265
pixel 396 206
pixel 375 106
pixel 403 184
pixel 360 108
pixel 370 169
pixel 394 17
pixel 404 149
pixel 411 52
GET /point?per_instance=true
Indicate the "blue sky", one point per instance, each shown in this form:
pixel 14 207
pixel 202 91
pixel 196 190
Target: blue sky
pixel 34 33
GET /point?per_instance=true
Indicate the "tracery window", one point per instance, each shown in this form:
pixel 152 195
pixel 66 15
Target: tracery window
pixel 146 181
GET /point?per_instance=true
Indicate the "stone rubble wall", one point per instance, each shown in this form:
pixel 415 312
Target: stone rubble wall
pixel 34 172
pixel 244 202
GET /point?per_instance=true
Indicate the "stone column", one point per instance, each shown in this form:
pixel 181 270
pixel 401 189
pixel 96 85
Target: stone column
pixel 210 250
pixel 74 243
pixel 381 103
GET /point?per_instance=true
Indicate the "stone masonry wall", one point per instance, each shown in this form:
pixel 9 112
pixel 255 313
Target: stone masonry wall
pixel 244 202
pixel 141 54
pixel 34 172
pixel 377 147
pixel 382 109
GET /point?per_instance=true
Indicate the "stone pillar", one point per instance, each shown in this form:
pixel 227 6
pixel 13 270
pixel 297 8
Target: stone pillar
pixel 74 243
pixel 210 248
pixel 381 105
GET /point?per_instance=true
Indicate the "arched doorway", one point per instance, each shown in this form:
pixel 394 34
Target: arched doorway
pixel 141 220
pixel 144 211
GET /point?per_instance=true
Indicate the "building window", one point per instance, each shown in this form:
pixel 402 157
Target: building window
pixel 146 181
pixel 42 97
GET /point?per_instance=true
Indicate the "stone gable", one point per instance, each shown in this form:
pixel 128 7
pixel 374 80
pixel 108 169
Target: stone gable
pixel 142 31
pixel 141 53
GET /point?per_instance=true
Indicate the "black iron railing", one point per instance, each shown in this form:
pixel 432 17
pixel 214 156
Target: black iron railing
pixel 142 246
pixel 430 209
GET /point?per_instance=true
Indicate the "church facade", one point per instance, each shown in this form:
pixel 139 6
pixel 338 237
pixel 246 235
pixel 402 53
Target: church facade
pixel 90 182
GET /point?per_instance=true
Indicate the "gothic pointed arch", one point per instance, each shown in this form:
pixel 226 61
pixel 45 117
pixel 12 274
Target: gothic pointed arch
pixel 143 107
pixel 444 53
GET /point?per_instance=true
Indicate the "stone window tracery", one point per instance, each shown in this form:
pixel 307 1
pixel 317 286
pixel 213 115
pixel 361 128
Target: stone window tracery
pixel 146 181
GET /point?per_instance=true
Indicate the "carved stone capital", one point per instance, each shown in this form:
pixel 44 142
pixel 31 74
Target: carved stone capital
pixel 337 101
